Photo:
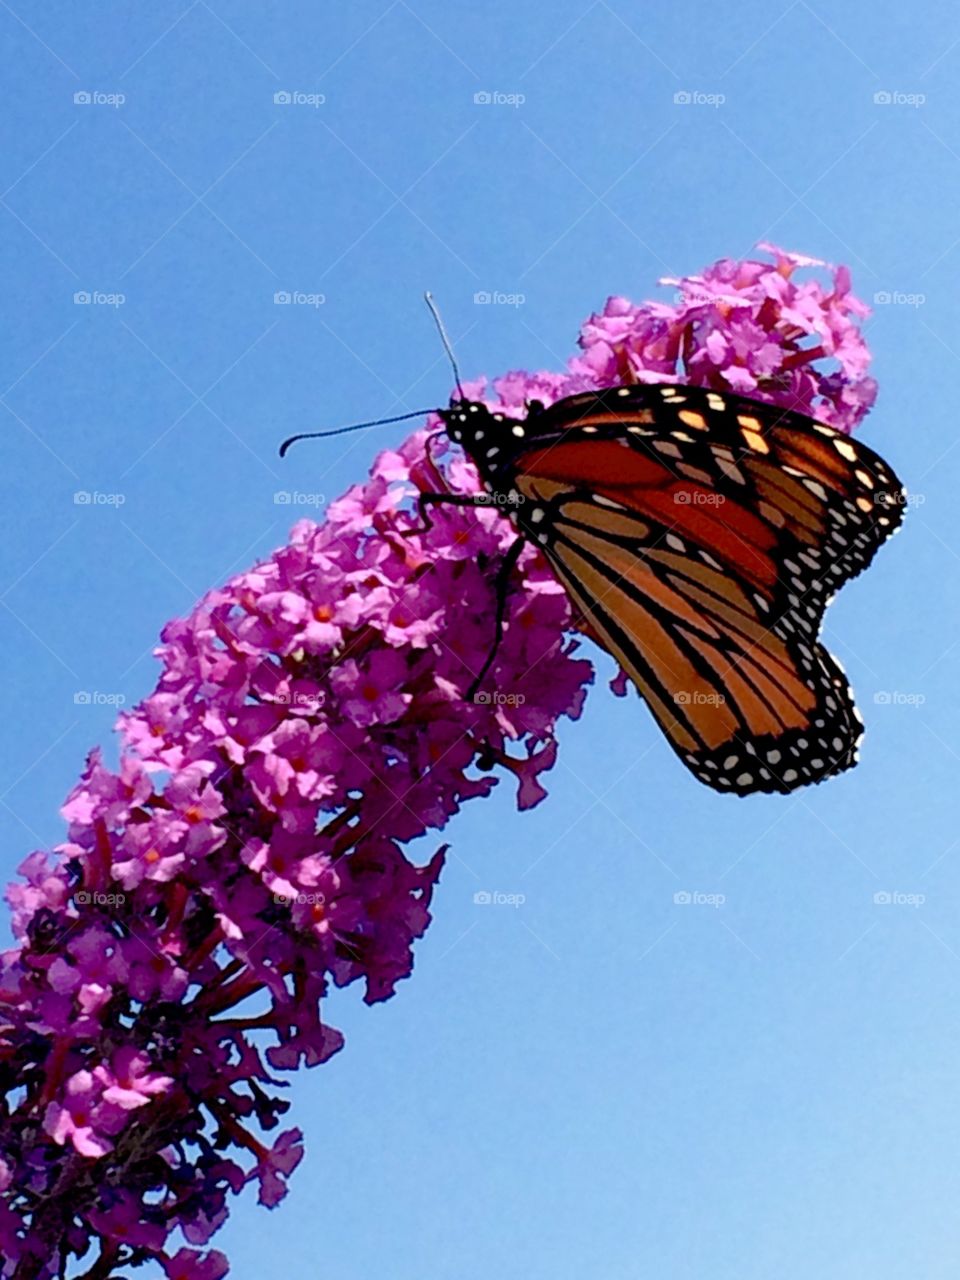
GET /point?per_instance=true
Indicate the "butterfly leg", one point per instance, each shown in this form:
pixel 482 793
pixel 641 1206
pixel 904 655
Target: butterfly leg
pixel 427 500
pixel 507 565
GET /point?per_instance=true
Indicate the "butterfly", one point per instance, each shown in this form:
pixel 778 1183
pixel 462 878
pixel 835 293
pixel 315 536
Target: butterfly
pixel 700 535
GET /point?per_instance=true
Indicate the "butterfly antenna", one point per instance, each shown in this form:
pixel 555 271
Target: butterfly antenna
pixel 428 299
pixel 357 426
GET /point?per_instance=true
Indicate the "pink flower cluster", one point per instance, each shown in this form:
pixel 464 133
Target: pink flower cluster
pixel 248 851
pixel 748 326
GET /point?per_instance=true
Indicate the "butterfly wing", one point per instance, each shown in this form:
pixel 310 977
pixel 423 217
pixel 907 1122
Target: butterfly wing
pixel 701 536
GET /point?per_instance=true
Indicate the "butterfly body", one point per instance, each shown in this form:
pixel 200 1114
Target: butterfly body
pixel 701 535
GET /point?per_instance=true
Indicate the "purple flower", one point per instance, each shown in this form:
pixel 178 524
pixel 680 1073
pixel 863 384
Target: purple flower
pixel 129 1082
pixel 151 850
pixel 747 326
pixel 75 1117
pixel 46 889
pixel 188 1264
pixel 369 691
pixel 249 850
pixel 119 1217
pixel 276 1164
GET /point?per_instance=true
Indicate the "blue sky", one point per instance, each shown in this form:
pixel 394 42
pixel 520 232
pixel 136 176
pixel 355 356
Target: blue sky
pixel 600 1082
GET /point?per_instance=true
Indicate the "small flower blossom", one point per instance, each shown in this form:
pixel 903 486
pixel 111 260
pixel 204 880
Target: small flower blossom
pixel 188 1264
pixel 129 1082
pixel 276 1165
pixel 75 1118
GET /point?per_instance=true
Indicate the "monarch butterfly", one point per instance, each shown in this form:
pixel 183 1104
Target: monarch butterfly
pixel 701 536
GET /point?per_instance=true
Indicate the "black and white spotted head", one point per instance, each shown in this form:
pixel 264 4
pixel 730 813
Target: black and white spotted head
pixel 490 439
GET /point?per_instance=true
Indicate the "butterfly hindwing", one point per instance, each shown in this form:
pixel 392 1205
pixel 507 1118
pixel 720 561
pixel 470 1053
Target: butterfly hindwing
pixel 746 705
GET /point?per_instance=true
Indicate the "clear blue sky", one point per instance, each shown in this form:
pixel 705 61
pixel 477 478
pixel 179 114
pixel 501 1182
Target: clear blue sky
pixel 599 1083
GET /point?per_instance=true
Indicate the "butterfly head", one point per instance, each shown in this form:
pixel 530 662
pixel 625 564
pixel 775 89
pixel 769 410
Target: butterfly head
pixel 489 438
